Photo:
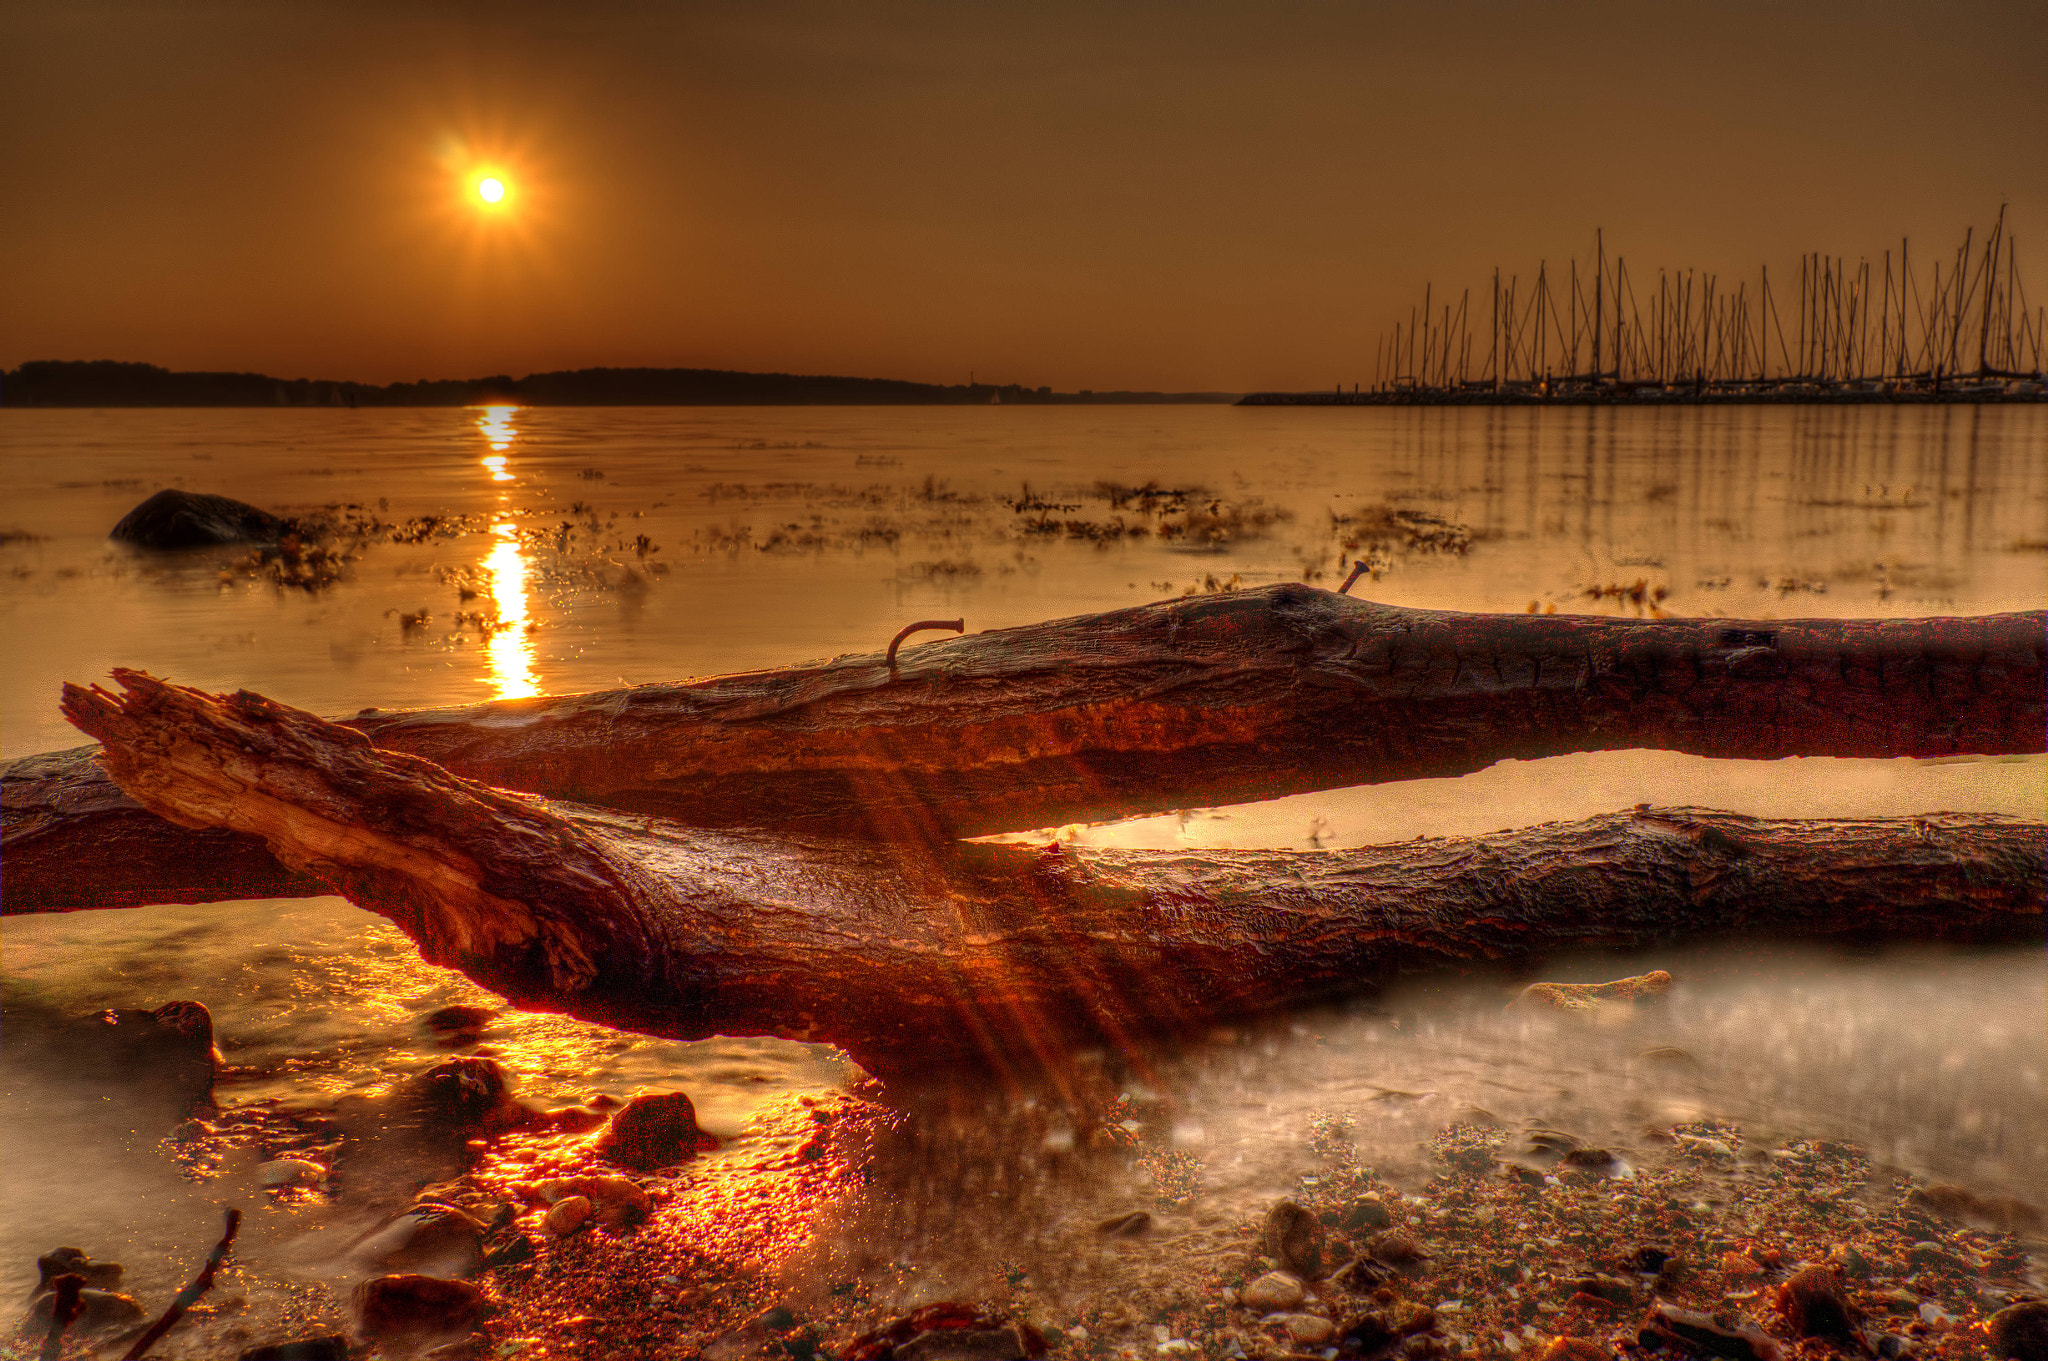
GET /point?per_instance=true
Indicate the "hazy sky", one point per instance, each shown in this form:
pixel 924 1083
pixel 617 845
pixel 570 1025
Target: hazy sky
pixel 1098 195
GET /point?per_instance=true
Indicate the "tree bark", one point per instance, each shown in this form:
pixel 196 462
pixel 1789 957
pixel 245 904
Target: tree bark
pixel 911 957
pixel 1190 702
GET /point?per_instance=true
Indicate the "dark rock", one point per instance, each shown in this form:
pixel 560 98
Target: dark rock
pixel 74 1262
pixel 1815 1303
pixel 433 1238
pixel 1650 1260
pixel 1722 1334
pixel 929 1335
pixel 459 1019
pixel 190 519
pixel 468 1096
pixel 1397 1250
pixel 1850 1260
pixel 653 1130
pixel 510 1253
pixel 1367 1212
pixel 1574 1349
pixel 390 1308
pixel 334 1348
pixel 169 1051
pixel 1135 1224
pixel 104 1309
pixel 1294 1238
pixel 2019 1332
pixel 1611 1289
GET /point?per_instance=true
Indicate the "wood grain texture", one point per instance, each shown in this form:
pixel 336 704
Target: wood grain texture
pixel 1009 957
pixel 1184 703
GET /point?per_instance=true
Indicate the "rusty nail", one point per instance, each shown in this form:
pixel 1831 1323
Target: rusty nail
pixel 1357 571
pixel 951 625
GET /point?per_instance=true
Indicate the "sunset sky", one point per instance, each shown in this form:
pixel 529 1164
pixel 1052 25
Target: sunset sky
pixel 1178 195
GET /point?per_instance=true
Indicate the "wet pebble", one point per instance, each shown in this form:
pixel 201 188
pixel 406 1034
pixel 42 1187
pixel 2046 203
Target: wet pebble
pixel 617 1202
pixel 390 1308
pixel 1366 1212
pixel 104 1309
pixel 1715 1335
pixel 1272 1291
pixel 74 1262
pixel 569 1214
pixel 1293 1237
pixel 652 1130
pixel 279 1173
pixel 1815 1303
pixel 2019 1332
pixel 1308 1329
pixel 428 1237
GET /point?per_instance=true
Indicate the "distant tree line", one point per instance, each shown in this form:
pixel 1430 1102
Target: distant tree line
pixel 106 382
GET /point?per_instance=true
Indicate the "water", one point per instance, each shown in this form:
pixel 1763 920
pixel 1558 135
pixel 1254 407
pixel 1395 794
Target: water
pixel 578 549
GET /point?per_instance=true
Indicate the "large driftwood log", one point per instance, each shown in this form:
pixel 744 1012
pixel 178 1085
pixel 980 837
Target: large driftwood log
pixel 909 957
pixel 1189 702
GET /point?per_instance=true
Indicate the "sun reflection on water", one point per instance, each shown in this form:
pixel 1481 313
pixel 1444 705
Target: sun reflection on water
pixel 508 655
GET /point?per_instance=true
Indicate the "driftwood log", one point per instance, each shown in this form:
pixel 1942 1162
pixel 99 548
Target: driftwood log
pixel 1189 702
pixel 910 956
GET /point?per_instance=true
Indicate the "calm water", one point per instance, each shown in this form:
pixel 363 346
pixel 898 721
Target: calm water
pixel 561 550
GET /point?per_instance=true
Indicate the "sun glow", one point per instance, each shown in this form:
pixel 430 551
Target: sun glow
pixel 490 189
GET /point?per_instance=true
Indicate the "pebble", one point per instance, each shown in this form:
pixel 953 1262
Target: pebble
pixel 1815 1303
pixel 1311 1329
pixel 1725 1335
pixel 655 1129
pixel 569 1214
pixel 2019 1332
pixel 283 1172
pixel 406 1306
pixel 1294 1238
pixel 1367 1212
pixel 74 1262
pixel 1274 1290
pixel 1589 997
pixel 428 1236
pixel 1136 1224
pixel 103 1309
pixel 618 1201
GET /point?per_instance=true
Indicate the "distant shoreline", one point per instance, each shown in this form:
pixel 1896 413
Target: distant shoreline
pixel 111 383
pixel 1969 391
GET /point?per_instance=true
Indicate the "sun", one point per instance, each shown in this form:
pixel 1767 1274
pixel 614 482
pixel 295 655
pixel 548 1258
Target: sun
pixel 490 189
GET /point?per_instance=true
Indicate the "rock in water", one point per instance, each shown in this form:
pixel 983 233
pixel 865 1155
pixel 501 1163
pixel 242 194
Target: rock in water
pixel 1591 997
pixel 468 1096
pixel 190 519
pixel 569 1214
pixel 617 1202
pixel 653 1130
pixel 104 1309
pixel 2019 1332
pixel 284 1172
pixel 1294 1238
pixel 74 1262
pixel 392 1308
pixel 429 1237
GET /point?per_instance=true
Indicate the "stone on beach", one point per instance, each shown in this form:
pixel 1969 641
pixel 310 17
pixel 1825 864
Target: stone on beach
pixel 429 1237
pixel 1293 1237
pixel 74 1262
pixel 1274 1290
pixel 654 1129
pixel 2019 1332
pixel 569 1214
pixel 397 1307
pixel 104 1309
pixel 280 1173
pixel 617 1202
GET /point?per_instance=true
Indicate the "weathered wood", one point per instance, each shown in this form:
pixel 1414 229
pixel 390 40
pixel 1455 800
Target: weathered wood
pixel 910 957
pixel 1189 702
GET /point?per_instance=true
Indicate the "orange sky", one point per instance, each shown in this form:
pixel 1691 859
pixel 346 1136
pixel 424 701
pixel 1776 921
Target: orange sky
pixel 1184 195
